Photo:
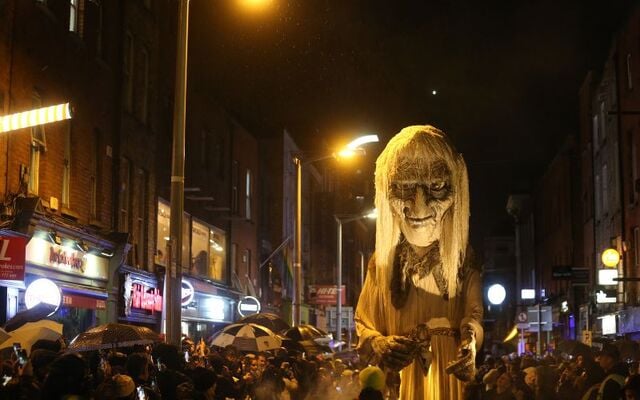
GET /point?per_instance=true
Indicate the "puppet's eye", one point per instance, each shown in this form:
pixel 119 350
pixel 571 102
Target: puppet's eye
pixel 437 185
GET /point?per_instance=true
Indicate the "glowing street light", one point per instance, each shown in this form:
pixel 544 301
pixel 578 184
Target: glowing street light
pixel 496 294
pixel 353 148
pixel 610 258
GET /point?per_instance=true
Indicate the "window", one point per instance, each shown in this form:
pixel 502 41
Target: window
pixel 124 195
pixel 629 74
pixel 636 246
pixel 633 141
pixel 66 169
pixel 141 210
pixel 217 255
pixel 598 194
pixel 38 146
pixel 248 195
pixel 74 12
pixel 144 86
pixel 234 188
pixel 603 121
pixel 127 71
pixel 605 189
pixel 163 233
pixel 95 175
pixel 99 26
pixel 596 137
pixel 199 249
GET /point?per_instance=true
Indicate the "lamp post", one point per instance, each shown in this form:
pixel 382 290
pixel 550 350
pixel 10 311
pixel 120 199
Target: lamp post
pixel 353 148
pixel 343 219
pixel 173 274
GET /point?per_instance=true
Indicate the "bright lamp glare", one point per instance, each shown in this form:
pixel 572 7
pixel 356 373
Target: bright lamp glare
pixel 357 142
pixel 373 214
pixel 346 153
pixel 610 257
pixel 35 117
pixel 496 294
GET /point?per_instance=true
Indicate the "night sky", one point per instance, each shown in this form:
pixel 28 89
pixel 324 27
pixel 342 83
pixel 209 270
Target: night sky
pixel 507 75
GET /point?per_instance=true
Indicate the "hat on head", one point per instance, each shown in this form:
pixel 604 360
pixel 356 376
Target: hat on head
pixel 372 377
pixel 123 385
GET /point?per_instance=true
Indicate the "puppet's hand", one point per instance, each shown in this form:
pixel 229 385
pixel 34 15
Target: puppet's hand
pixel 396 352
pixel 464 367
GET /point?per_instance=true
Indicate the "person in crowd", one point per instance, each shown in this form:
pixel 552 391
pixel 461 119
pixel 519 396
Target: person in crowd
pixel 631 389
pixel 503 389
pixel 615 370
pixel 227 385
pixel 68 376
pixel 204 383
pixel 138 367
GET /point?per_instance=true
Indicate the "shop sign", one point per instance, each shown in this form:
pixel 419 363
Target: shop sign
pixel 248 305
pixel 138 295
pixel 188 292
pixel 42 290
pixel 326 294
pixel 76 301
pixel 63 258
pixel 12 257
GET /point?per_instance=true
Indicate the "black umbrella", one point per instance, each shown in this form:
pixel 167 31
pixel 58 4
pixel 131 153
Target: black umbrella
pixel 109 336
pixel 268 320
pixel 574 347
pixel 35 314
pixel 306 332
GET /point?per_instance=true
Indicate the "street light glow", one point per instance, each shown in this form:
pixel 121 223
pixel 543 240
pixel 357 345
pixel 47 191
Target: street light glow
pixel 357 142
pixel 255 5
pixel 39 116
pixel 610 258
pixel 496 294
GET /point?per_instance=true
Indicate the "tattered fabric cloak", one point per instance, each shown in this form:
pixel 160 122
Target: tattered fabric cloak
pixel 375 313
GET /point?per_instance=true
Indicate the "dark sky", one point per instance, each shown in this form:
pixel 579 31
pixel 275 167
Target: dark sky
pixel 507 74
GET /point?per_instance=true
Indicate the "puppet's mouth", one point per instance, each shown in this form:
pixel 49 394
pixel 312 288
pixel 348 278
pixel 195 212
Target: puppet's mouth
pixel 418 222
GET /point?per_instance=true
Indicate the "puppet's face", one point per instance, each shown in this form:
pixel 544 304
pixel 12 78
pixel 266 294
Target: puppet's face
pixel 420 194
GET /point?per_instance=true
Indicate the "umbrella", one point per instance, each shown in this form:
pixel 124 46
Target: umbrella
pixel 574 347
pixel 38 312
pixel 308 332
pixel 31 332
pixel 268 320
pixel 247 337
pixel 109 336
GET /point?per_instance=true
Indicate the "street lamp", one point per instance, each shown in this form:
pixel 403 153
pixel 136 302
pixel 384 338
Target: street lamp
pixel 353 148
pixel 343 219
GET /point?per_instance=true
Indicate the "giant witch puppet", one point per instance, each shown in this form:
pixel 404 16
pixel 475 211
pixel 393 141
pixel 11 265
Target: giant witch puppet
pixel 420 311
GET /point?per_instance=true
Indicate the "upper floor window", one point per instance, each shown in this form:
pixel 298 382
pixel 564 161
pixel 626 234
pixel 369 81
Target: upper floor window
pixel 629 74
pixel 144 86
pixel 127 71
pixel 248 195
pixel 38 146
pixel 74 15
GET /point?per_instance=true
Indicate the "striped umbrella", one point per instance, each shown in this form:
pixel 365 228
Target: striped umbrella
pixel 247 337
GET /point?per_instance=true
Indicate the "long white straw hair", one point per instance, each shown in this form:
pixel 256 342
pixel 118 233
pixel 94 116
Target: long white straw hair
pixel 426 143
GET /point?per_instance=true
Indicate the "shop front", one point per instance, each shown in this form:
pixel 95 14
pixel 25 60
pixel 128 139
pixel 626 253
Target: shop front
pixel 79 272
pixel 141 298
pixel 206 308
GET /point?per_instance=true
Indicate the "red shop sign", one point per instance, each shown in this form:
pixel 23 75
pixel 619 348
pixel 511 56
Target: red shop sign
pixel 12 255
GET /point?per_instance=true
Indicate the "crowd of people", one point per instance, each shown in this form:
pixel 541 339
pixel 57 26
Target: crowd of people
pixel 586 375
pixel 196 371
pixel 164 371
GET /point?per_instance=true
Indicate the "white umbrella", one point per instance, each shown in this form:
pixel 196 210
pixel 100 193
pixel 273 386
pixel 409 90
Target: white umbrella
pixel 247 337
pixel 31 332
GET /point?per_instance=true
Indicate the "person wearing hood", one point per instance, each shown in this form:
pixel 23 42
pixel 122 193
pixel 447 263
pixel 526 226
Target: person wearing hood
pixel 616 372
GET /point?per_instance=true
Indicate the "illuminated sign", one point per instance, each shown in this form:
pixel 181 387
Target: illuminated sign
pixel 145 298
pixel 605 276
pixel 66 259
pixel 42 290
pixel 609 324
pixel 188 292
pixel 527 294
pixel 248 305
pixel 12 257
pixel 496 294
